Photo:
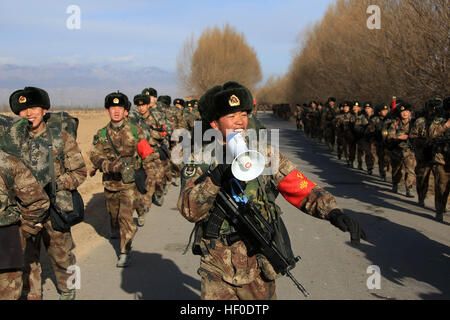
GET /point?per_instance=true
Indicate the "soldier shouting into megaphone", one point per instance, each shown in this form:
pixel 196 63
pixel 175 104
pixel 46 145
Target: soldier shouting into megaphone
pixel 239 234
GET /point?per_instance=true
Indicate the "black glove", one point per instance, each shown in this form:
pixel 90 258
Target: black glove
pixel 48 190
pixel 220 173
pixel 346 223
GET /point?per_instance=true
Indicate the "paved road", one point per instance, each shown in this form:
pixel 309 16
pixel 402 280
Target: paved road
pixel 409 247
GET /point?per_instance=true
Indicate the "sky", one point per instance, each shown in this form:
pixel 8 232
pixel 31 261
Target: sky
pixel 135 34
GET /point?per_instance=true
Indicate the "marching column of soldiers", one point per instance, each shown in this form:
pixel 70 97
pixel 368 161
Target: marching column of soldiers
pixel 412 144
pixel 42 166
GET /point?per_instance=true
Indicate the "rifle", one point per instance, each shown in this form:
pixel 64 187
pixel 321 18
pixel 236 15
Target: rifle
pixel 257 235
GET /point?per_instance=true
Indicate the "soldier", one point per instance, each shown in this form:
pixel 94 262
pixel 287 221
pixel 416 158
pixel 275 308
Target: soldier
pixel 338 131
pixel 320 122
pixel 422 148
pixel 367 142
pixel 374 132
pixel 401 153
pixel 329 118
pixel 189 115
pixel 69 171
pixel 298 117
pixel 181 123
pixel 227 270
pixel 156 118
pixel 345 134
pixel 153 136
pixel 439 128
pixel 358 122
pixel 117 152
pixel 23 209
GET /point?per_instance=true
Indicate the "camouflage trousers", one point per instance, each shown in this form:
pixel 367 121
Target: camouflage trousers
pixel 227 273
pixel 330 136
pixel 120 205
pixel 59 247
pixel 383 159
pixel 340 145
pixel 144 201
pixel 423 171
pixel 368 147
pixel 403 160
pixel 10 284
pixel 442 186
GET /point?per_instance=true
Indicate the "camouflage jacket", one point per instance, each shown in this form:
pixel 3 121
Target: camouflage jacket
pixel 196 203
pixel 441 152
pixel 125 140
pixel 154 135
pixel 374 128
pixel 21 196
pixel 395 129
pixel 419 138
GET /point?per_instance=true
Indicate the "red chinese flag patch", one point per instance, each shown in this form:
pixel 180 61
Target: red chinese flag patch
pixel 144 148
pixel 295 187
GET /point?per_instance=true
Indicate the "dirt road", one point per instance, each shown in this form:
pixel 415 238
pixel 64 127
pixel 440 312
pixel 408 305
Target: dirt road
pixel 410 249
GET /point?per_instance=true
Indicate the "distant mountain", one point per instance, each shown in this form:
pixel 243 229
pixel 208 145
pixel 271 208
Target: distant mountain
pixel 82 85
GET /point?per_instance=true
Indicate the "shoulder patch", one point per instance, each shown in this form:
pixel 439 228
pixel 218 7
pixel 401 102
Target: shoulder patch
pixel 189 171
pixel 96 140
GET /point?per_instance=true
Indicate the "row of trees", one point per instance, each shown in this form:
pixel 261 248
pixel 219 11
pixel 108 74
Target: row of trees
pixel 217 56
pixel 341 57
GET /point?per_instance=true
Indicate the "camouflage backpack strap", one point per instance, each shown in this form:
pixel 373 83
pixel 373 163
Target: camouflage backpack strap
pixel 55 132
pixel 9 211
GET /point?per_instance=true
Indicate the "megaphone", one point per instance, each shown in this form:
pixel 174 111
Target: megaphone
pixel 247 164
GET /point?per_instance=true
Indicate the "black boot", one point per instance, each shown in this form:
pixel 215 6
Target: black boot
pixel 395 188
pixel 409 193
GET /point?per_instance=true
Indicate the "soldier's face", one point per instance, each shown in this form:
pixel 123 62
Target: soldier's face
pixel 384 112
pixel 152 101
pixel 369 111
pixel 143 109
pixel 346 109
pixel 36 116
pixel 356 109
pixel 332 104
pixel 116 113
pixel 405 114
pixel 233 122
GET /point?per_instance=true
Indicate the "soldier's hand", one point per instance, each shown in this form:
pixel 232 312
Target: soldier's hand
pixel 346 223
pixel 115 166
pixel 219 174
pixel 92 172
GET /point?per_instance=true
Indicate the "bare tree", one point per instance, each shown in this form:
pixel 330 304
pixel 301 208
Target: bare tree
pixel 218 56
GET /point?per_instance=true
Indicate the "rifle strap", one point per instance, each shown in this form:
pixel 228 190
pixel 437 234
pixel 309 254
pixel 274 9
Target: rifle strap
pixel 112 144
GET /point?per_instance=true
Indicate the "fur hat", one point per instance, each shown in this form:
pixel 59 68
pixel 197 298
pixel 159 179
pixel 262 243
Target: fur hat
pixel 141 99
pixel 29 97
pixel 179 101
pixel 150 92
pixel 117 99
pixel 222 100
pixel 167 100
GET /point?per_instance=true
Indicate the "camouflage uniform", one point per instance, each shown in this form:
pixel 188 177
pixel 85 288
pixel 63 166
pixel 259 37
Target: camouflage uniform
pixel 345 131
pixel 401 154
pixel 226 270
pixel 339 132
pixel 422 151
pixel 374 132
pixel 70 172
pixel 358 121
pixel 329 116
pixel 24 202
pixel 121 197
pixel 441 167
